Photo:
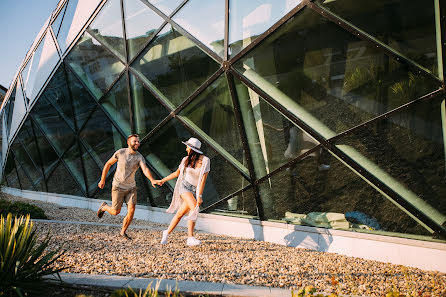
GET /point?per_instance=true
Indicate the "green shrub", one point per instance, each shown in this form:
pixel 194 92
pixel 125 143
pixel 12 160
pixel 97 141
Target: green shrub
pixel 23 262
pixel 21 209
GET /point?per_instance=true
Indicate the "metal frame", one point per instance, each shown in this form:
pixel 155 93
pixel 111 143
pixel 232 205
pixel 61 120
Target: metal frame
pixel 230 72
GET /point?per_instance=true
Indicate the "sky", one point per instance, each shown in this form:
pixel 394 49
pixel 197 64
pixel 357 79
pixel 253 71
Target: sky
pixel 20 22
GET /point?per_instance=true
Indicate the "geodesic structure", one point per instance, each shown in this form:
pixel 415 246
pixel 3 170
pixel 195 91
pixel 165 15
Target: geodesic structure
pixel 312 112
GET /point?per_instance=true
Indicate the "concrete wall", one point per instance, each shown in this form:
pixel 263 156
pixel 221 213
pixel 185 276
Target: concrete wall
pixel 409 252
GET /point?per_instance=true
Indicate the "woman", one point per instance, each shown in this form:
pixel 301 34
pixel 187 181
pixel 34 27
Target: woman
pixel 192 174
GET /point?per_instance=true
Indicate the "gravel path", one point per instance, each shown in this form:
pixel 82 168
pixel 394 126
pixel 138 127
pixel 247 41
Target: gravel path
pixel 98 250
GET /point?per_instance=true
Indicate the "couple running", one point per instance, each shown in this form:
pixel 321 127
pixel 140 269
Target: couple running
pixel 187 196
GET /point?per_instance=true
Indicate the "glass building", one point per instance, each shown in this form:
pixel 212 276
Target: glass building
pixel 308 110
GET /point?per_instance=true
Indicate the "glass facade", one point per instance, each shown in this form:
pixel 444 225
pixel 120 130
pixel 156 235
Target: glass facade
pixel 312 112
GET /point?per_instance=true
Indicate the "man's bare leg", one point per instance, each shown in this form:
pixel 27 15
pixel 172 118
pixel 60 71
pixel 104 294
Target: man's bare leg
pixel 110 210
pixel 128 218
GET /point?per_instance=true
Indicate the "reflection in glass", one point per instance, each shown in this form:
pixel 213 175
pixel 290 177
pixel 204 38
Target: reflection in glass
pixel 213 113
pixel 43 61
pixel 82 101
pixel 9 108
pixel 107 28
pixel 25 182
pixel 336 197
pixel 116 103
pixel 53 124
pixel 406 152
pixel 250 18
pixel 140 25
pixel 164 151
pixel 404 25
pixel 11 173
pixel 57 94
pixel 48 157
pixel 18 112
pixel 331 81
pixel 100 137
pixel 166 6
pixel 60 181
pixel 161 196
pixel 241 205
pixel 76 15
pixel 26 154
pixel 95 65
pixel 205 20
pixel 169 65
pixel 56 24
pixel 148 111
pixel 272 139
pixel 73 161
pixel 141 184
pixel 92 171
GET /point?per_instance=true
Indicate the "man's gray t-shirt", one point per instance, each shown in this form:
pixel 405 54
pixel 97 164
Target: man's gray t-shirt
pixel 126 168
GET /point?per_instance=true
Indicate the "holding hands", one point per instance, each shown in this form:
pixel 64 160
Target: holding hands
pixel 156 182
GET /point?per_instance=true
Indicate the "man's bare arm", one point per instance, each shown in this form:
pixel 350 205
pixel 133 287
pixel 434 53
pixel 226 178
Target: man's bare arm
pixel 107 166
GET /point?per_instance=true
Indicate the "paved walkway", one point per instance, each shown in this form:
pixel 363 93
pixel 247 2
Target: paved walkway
pixel 185 287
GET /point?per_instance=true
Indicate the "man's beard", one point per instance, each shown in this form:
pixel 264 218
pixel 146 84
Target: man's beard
pixel 133 148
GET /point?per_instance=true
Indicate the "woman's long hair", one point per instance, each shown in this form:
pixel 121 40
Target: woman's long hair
pixel 192 158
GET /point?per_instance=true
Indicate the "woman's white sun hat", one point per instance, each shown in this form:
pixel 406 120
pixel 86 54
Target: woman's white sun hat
pixel 194 144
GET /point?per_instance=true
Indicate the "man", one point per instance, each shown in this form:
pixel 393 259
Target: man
pixel 124 185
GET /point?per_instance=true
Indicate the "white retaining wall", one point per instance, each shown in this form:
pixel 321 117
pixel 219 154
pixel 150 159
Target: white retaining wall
pixel 409 252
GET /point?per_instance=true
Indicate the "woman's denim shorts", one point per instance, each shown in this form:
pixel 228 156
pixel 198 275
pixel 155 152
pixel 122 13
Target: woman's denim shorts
pixel 187 187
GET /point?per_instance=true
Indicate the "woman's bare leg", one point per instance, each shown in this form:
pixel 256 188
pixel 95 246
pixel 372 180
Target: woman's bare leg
pixel 188 198
pixel 176 219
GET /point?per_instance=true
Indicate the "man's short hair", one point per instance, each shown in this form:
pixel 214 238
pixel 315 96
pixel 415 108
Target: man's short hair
pixel 132 135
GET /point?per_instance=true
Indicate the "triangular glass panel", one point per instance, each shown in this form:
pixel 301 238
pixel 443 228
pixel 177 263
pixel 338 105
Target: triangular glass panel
pixel 404 25
pixel 92 171
pixel 332 81
pixel 25 181
pixel 332 196
pixel 205 20
pixel 56 24
pixel 100 137
pixel 73 161
pixel 57 94
pixel 166 6
pixel 76 15
pixel 9 108
pixel 250 18
pixel 273 139
pixel 241 205
pixel 83 103
pixel 164 151
pixel 116 103
pixel 94 65
pixel 406 152
pixel 169 66
pixel 107 28
pixel 213 113
pixel 48 157
pixel 60 181
pixel 52 124
pixel 18 113
pixel 11 173
pixel 25 158
pixel 141 23
pixel 44 59
pixel 148 111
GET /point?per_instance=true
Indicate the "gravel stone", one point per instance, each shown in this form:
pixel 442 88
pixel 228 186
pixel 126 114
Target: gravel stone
pixel 99 250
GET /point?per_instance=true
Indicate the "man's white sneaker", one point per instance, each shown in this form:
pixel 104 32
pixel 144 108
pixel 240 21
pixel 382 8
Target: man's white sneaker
pixel 164 239
pixel 192 241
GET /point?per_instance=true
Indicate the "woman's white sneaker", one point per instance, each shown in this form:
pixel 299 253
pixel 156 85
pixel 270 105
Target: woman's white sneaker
pixel 164 238
pixel 192 241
